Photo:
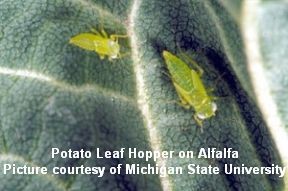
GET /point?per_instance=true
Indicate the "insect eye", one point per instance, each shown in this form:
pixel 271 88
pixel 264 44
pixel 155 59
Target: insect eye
pixel 111 43
pixel 214 107
pixel 113 56
pixel 201 116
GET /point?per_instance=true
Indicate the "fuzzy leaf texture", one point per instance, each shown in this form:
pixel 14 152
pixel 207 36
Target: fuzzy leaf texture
pixel 54 94
pixel 274 51
pixel 272 33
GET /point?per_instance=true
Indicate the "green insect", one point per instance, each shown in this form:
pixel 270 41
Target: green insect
pixel 100 43
pixel 190 87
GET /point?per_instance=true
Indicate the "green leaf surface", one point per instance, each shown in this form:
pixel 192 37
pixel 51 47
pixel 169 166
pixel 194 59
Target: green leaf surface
pixel 54 94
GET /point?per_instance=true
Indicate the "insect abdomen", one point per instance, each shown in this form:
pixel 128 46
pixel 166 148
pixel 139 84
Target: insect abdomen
pixel 179 71
pixel 86 41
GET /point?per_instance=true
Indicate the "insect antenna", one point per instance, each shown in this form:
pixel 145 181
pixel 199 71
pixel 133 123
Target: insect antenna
pixel 215 83
pixel 219 78
pixel 195 134
pixel 170 101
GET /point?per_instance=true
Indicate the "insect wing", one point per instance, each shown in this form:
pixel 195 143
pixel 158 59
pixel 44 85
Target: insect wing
pixel 197 83
pixel 85 41
pixel 180 72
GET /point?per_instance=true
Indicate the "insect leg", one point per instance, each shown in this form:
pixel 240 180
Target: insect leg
pixel 123 55
pixel 198 121
pixel 95 31
pixel 102 56
pixel 183 102
pixel 166 74
pixel 104 33
pixel 116 36
pixel 210 90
